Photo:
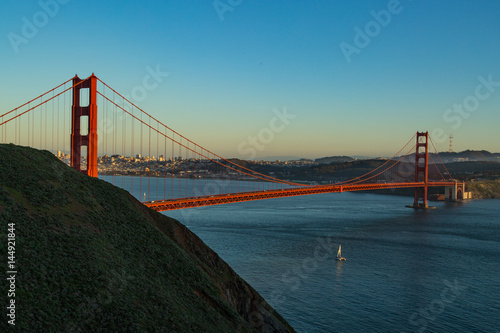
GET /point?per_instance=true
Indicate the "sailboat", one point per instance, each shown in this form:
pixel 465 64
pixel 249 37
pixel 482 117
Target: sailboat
pixel 339 254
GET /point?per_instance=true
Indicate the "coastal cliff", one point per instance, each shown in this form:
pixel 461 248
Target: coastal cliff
pixel 90 258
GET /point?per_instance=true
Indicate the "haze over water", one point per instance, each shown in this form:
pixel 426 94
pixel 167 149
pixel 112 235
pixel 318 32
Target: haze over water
pixel 406 270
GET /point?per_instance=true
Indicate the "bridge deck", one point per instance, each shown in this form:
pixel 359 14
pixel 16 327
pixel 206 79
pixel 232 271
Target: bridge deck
pixel 171 204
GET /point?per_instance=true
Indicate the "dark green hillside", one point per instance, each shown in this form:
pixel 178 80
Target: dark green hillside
pixel 90 258
pixel 486 189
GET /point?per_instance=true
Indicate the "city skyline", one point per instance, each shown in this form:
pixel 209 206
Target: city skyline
pixel 301 79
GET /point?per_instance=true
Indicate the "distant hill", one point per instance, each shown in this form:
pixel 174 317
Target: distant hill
pixel 334 159
pixel 280 158
pixel 91 258
pixel 467 155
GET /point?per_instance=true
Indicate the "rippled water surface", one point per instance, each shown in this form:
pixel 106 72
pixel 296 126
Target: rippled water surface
pixel 406 270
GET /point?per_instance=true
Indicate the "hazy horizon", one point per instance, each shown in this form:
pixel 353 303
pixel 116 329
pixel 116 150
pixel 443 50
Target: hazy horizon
pixel 274 79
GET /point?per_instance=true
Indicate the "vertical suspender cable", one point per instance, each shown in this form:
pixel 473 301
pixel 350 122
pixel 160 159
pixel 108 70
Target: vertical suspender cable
pixel 179 160
pixel 172 166
pixel 165 161
pixel 115 129
pixel 58 122
pixel 41 121
pixel 45 134
pixel 15 129
pixel 158 166
pixel 124 133
pixel 29 119
pixel 102 140
pixel 140 160
pixel 52 125
pixel 64 119
pixel 149 159
pixel 132 158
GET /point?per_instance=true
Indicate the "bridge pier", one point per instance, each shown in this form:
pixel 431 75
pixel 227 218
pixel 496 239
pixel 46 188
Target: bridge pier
pixel 86 143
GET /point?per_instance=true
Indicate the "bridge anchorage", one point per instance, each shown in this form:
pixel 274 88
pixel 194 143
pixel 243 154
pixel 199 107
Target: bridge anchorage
pixel 181 173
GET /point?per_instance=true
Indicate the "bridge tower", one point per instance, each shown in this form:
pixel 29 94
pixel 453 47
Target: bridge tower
pixel 84 111
pixel 421 169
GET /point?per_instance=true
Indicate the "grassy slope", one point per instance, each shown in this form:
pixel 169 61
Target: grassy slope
pixel 92 258
pixel 485 189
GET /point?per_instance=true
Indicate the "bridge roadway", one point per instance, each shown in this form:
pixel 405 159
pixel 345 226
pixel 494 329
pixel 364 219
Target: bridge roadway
pixel 171 204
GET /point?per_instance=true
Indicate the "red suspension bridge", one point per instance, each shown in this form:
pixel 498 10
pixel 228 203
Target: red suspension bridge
pixel 106 134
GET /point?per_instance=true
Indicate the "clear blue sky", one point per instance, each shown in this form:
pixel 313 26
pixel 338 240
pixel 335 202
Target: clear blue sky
pixel 231 66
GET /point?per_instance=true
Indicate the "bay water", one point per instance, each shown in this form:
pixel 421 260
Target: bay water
pixel 406 270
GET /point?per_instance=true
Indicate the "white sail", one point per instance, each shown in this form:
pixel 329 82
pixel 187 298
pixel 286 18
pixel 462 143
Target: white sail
pixel 338 253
